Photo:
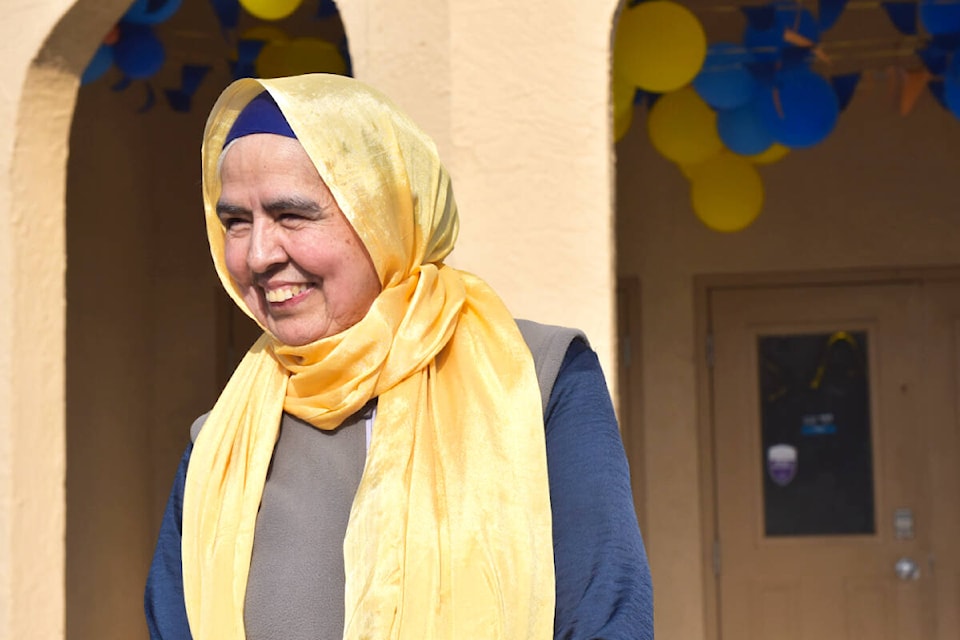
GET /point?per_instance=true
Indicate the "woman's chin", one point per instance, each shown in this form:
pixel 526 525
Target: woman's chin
pixel 295 334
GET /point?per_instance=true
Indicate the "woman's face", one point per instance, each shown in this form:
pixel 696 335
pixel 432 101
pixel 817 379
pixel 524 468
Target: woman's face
pixel 299 265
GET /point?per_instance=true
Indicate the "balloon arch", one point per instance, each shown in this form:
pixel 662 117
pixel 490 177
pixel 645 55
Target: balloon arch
pixel 134 51
pixel 720 110
pixel 717 110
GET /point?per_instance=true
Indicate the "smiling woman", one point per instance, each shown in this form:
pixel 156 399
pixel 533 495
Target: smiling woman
pixel 329 494
pixel 296 261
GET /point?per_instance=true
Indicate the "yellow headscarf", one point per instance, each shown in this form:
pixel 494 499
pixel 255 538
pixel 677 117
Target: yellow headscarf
pixel 450 530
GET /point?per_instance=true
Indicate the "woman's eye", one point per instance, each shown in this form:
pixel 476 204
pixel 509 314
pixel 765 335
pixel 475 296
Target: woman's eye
pixel 290 218
pixel 232 224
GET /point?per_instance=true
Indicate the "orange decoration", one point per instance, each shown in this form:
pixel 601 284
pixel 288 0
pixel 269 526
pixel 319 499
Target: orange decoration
pixel 799 40
pixel 778 103
pixel 792 37
pixel 112 36
pixel 914 82
pixel 821 55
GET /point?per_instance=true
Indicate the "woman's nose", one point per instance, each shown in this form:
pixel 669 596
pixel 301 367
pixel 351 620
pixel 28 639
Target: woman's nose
pixel 266 248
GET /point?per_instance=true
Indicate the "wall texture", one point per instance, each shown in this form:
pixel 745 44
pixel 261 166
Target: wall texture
pixel 33 150
pixel 516 96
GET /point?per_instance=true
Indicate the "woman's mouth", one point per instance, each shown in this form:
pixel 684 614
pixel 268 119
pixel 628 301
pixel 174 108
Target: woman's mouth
pixel 282 294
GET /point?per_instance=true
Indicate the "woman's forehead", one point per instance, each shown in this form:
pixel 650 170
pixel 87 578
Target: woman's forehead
pixel 271 148
pixel 276 167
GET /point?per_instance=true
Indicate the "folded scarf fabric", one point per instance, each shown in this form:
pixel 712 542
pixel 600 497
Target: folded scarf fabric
pixel 450 530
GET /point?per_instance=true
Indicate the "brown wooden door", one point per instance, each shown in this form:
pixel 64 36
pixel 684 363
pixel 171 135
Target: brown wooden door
pixel 826 438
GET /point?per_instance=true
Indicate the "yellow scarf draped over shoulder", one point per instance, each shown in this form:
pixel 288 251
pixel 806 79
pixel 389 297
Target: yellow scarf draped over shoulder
pixel 450 530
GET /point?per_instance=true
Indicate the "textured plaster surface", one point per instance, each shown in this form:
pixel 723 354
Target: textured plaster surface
pixel 31 453
pixel 516 97
pixel 37 351
pixel 531 147
pixel 39 99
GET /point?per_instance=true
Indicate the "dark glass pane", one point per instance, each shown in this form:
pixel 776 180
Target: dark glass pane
pixel 815 422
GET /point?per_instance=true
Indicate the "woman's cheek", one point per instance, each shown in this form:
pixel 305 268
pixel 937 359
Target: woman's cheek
pixel 233 258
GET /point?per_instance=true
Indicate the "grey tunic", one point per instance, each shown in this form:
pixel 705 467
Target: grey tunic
pixel 296 547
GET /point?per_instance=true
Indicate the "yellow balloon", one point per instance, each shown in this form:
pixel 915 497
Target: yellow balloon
pixel 689 171
pixel 683 128
pixel 270 9
pixel 660 45
pixel 727 193
pixel 272 60
pixel 300 55
pixel 623 91
pixel 773 153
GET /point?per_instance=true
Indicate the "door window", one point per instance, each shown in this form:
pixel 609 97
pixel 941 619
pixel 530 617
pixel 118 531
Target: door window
pixel 815 423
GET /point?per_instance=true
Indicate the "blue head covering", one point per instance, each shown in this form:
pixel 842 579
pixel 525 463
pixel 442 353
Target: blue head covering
pixel 261 115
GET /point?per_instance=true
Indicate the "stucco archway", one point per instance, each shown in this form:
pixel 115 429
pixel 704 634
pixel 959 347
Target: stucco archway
pixel 53 38
pixel 139 272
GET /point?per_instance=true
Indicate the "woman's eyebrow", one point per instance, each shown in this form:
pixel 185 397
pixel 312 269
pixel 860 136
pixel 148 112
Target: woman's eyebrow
pixel 302 205
pixel 225 208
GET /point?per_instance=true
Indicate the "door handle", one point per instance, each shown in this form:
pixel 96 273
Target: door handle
pixel 907 569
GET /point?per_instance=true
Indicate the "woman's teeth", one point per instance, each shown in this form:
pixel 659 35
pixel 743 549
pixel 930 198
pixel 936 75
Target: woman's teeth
pixel 284 293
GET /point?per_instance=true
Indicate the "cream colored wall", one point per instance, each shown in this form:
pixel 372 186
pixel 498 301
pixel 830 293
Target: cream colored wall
pixel 36 107
pixel 516 97
pixel 32 454
pixel 881 191
pixel 533 158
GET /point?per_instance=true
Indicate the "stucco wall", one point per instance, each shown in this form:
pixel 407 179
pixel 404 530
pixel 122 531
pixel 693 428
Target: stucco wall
pixel 879 192
pixel 36 108
pixel 515 95
pixel 31 392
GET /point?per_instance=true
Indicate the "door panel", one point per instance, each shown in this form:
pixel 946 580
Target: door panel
pixel 941 387
pixel 813 585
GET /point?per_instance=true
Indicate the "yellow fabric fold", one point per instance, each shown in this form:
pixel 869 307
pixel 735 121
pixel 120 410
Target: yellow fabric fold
pixel 450 531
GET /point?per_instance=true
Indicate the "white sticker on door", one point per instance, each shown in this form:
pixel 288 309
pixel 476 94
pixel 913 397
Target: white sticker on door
pixel 782 463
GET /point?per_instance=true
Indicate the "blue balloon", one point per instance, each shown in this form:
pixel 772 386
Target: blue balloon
pixel 138 52
pixel 804 110
pixel 953 68
pixel 793 58
pixel 149 12
pixel 725 80
pixel 764 45
pixel 939 17
pixel 743 130
pixel 98 65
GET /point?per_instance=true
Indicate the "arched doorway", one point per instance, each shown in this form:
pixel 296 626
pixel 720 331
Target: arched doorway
pixel 146 318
